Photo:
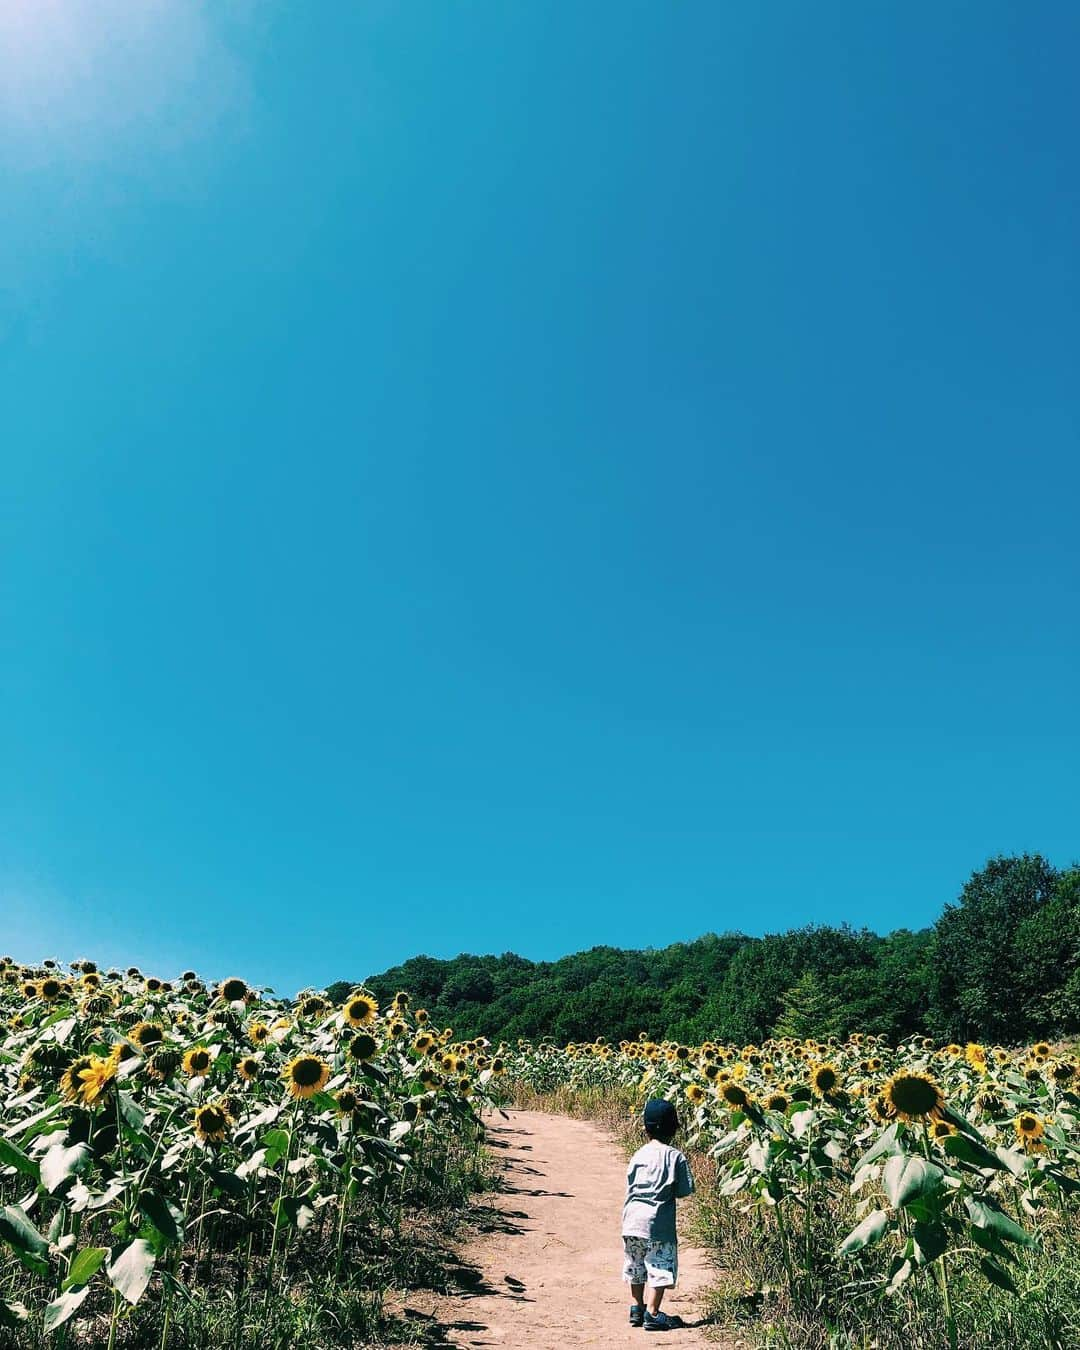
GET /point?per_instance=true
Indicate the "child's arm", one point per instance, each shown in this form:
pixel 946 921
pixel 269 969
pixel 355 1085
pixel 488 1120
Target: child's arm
pixel 684 1181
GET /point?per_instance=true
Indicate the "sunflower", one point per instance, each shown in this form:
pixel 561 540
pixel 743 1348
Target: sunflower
pixel 421 1015
pixel 153 985
pixel 258 1032
pixel 429 1078
pixel 397 1028
pixel 70 1080
pixel 211 1122
pixel 30 989
pixel 1041 1050
pixel 1063 1071
pixel 989 1103
pixel 305 1075
pixel 163 1063
pixel 423 1043
pixel 1030 1130
pixel 146 1035
pixel 913 1095
pixel 361 1010
pixel 95 1078
pixel 248 1068
pixel 234 989
pixel 695 1093
pixel 777 1101
pixel 735 1095
pixel 498 1065
pixel 824 1078
pixel 975 1055
pixel 941 1129
pixel 882 1109
pixel 188 976
pixel 348 1100
pixel 464 1087
pixel 197 1061
pixel 363 1047
pixel 91 980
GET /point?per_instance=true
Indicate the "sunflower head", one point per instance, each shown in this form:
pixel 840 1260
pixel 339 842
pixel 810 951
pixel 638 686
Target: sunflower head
pixel 71 1078
pixel 1030 1132
pixel 305 1075
pixel 941 1129
pixel 146 1035
pixel 348 1100
pixel 197 1061
pixel 401 1001
pixel 234 989
pixel 695 1093
pixel 211 1122
pixel 363 1047
pixel 163 1063
pixel 882 1109
pixel 1041 1050
pixel 361 1010
pixel 313 1006
pixel 258 1033
pixel 248 1068
pixel 824 1078
pixel 914 1095
pixel 421 1015
pixel 778 1102
pixel 735 1095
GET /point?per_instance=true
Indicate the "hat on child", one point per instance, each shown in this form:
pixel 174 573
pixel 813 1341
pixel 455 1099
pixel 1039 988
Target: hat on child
pixel 661 1117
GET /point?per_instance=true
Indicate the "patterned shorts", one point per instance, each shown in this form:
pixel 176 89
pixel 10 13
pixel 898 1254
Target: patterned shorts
pixel 653 1263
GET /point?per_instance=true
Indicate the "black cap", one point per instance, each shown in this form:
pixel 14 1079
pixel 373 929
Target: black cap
pixel 661 1117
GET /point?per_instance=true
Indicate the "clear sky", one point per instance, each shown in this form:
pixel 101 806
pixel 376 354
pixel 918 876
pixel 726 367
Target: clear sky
pixel 521 476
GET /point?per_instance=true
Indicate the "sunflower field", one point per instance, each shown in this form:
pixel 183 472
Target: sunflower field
pixel 187 1164
pixel 863 1194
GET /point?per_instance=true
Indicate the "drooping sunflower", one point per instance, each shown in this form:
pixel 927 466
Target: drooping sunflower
pixel 735 1095
pixel 778 1102
pixel 361 1010
pixel 882 1109
pixel 363 1047
pixel 197 1061
pixel 423 1043
pixel 347 1100
pixel 465 1087
pixel 146 1035
pixel 397 1028
pixel 498 1065
pixel 824 1078
pixel 421 1016
pixel 313 1006
pixel 234 989
pixel 305 1075
pixel 258 1032
pixel 153 985
pixel 30 989
pixel 990 1103
pixel 695 1093
pixel 1063 1071
pixel 248 1068
pixel 1041 1050
pixel 941 1129
pixel 401 1001
pixel 211 1122
pixel 914 1095
pixel 163 1063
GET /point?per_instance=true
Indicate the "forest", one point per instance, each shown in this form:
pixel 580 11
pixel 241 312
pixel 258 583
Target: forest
pixel 1001 963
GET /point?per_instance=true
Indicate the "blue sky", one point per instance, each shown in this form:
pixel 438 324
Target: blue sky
pixel 484 477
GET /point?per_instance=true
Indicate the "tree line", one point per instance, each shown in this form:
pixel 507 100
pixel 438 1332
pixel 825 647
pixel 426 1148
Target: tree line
pixel 1001 964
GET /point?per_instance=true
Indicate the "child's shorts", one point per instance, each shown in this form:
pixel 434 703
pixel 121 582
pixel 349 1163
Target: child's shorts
pixel 653 1263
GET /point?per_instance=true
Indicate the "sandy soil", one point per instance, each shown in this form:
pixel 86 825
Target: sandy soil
pixel 549 1273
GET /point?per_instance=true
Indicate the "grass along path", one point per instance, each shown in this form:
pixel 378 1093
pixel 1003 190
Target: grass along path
pixel 548 1271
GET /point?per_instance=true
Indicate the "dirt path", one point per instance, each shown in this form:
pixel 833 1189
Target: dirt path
pixel 548 1275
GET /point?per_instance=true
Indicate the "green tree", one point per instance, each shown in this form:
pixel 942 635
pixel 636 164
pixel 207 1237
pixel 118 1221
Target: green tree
pixel 808 1008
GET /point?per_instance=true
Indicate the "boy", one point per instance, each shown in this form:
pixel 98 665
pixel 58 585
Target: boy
pixel 658 1175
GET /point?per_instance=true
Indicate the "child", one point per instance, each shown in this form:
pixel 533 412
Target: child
pixel 658 1175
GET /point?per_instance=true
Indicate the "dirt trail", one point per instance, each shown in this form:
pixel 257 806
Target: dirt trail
pixel 548 1275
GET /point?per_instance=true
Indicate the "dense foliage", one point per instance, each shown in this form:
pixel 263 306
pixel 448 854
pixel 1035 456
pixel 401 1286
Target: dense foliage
pixel 188 1165
pixel 1002 962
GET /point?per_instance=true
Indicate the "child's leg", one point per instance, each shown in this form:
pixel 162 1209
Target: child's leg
pixel 637 1293
pixel 655 1298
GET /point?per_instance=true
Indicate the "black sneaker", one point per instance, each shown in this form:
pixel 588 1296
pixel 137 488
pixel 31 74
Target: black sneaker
pixel 661 1322
pixel 637 1314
